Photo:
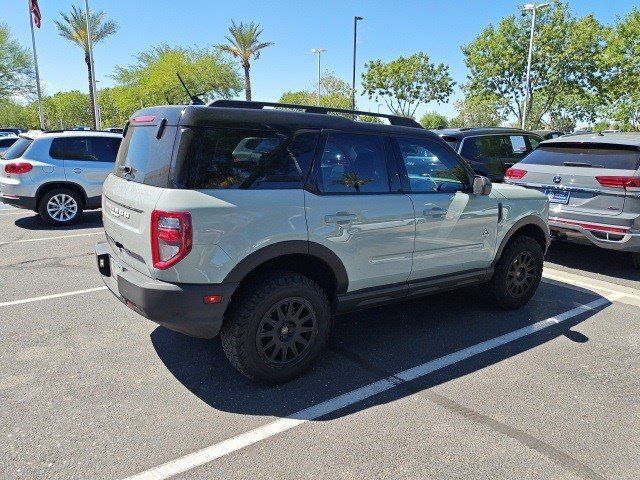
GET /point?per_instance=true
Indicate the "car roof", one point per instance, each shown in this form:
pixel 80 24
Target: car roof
pixel 630 139
pixel 33 134
pixel 460 133
pixel 202 115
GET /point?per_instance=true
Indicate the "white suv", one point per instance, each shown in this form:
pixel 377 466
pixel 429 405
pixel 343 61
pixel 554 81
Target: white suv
pixel 58 174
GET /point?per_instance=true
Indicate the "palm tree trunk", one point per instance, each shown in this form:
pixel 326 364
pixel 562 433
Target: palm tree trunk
pixel 90 76
pixel 247 82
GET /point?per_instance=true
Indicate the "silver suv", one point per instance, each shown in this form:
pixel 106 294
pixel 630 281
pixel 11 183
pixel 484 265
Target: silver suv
pixel 57 174
pixel 261 224
pixel 593 184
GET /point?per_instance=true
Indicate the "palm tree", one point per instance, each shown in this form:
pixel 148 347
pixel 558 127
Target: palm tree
pixel 244 43
pixel 74 29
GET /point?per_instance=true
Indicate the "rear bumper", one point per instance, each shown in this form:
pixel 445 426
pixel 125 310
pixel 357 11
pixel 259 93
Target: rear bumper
pixel 600 233
pixel 21 202
pixel 178 307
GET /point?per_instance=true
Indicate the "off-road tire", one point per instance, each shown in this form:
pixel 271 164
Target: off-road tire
pixel 497 290
pixel 61 194
pixel 240 329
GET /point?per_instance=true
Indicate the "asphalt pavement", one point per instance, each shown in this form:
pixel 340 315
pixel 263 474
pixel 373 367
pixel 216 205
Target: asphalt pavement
pixel 442 387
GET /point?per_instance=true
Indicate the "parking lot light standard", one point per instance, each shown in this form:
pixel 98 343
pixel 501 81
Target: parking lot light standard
pixel 318 51
pixel 353 78
pixel 527 98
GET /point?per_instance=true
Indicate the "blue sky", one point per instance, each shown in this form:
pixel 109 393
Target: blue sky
pixel 390 28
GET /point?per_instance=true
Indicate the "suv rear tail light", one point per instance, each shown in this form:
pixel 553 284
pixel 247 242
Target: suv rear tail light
pixel 18 168
pixel 515 173
pixel 171 237
pixel 628 183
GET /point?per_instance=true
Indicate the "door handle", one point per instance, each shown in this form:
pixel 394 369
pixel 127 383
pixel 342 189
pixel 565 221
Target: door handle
pixel 341 218
pixel 435 211
pixel 77 170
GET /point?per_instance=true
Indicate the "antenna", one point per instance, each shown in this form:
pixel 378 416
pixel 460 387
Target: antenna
pixel 195 100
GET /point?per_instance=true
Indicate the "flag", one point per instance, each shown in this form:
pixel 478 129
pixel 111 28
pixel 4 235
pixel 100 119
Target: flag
pixel 35 12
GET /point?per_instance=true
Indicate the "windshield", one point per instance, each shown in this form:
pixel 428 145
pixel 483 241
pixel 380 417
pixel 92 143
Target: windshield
pixel 590 156
pixel 17 149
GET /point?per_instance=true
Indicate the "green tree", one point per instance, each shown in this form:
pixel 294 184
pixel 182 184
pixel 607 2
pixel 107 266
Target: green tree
pixel 16 68
pixel 478 111
pixel 152 80
pixel 67 109
pixel 74 28
pixel 114 106
pixel 334 92
pixel 434 120
pixel 566 62
pixel 621 62
pixel 244 43
pixel 407 82
pixel 14 114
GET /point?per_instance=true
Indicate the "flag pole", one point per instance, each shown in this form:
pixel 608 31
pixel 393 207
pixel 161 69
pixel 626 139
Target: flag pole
pixel 35 64
pixel 93 70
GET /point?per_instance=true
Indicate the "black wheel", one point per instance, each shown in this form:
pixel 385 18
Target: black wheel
pixel 277 327
pixel 635 259
pixel 516 275
pixel 60 206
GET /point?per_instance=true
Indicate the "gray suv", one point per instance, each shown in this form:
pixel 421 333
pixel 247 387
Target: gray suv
pixel 260 224
pixel 593 185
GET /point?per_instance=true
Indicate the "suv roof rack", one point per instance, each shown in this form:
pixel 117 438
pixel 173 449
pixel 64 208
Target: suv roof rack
pixel 393 119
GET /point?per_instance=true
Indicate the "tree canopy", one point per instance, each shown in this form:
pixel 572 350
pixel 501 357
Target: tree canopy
pixel 334 92
pixel 16 67
pixel 406 83
pixel 565 63
pixel 434 120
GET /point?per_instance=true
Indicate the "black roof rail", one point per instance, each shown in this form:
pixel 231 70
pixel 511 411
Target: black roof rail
pixel 393 119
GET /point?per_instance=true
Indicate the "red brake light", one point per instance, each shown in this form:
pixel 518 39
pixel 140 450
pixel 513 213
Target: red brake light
pixel 18 167
pixel 515 173
pixel 144 119
pixel 171 237
pixel 629 183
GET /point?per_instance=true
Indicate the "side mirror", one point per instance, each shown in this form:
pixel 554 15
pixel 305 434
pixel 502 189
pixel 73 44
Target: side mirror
pixel 481 185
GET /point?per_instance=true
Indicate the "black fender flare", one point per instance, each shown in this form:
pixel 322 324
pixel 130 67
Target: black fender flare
pixel 528 220
pixel 291 247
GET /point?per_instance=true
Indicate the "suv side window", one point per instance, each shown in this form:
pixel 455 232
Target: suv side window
pixel 430 167
pixel 247 159
pixel 353 163
pixel 495 146
pixel 85 148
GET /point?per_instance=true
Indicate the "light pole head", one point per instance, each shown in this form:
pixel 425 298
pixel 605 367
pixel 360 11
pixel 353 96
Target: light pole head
pixel 318 50
pixel 532 6
pixel 358 18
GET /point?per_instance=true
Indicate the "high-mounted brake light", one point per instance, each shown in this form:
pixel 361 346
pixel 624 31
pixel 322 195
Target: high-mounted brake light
pixel 18 168
pixel 515 173
pixel 171 237
pixel 628 183
pixel 144 119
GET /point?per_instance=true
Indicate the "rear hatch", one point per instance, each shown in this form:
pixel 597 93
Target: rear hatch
pixel 580 177
pixel 131 192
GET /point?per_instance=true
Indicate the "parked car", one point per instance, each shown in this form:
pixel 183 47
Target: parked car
pixel 15 131
pixel 327 219
pixel 490 151
pixel 593 184
pixel 5 142
pixel 114 130
pixel 57 174
pixel 549 134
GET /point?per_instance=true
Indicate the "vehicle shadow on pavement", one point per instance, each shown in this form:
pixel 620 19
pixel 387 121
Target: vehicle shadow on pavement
pixel 373 344
pixel 592 259
pixel 91 219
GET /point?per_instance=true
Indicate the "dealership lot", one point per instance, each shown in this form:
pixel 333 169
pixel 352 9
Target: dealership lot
pixel 443 387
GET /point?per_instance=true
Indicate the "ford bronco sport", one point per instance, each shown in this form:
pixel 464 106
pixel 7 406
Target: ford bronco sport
pixel 261 223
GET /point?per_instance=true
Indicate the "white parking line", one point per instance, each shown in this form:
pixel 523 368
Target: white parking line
pixel 17 213
pixel 49 297
pixel 241 441
pixel 51 238
pixel 575 280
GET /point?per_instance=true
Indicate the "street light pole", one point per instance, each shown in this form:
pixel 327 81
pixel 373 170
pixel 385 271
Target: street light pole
pixel 318 51
pixel 527 98
pixel 353 79
pixel 93 70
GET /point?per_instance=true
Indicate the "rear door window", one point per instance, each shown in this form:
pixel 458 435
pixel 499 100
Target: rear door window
pixel 220 158
pixel 353 163
pixel 593 156
pixel 496 146
pixel 93 149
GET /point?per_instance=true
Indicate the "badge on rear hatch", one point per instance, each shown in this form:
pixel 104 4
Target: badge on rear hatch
pixel 116 211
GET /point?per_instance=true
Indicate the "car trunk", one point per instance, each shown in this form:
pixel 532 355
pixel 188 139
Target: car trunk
pixel 572 176
pixel 132 191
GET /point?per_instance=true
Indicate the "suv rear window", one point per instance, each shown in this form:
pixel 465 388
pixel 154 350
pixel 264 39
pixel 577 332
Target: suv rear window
pixel 17 149
pixel 495 146
pixel 225 158
pixel 590 156
pixel 143 158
